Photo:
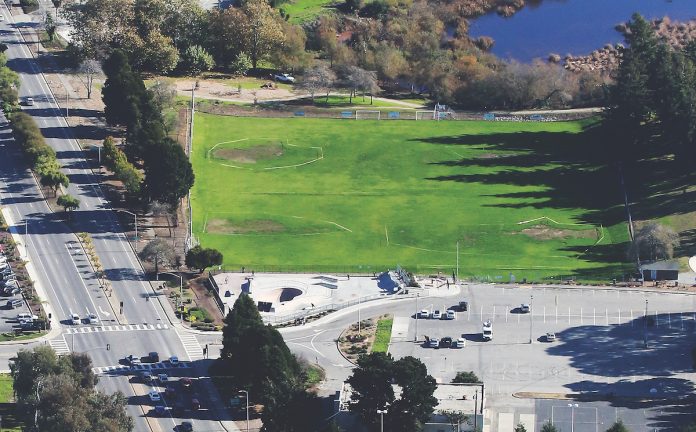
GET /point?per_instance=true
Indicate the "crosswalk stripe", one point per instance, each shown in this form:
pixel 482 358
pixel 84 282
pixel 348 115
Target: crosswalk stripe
pixel 60 346
pixel 140 367
pixel 116 328
pixel 191 346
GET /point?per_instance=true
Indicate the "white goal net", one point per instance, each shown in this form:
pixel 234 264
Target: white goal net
pixel 425 115
pixel 367 115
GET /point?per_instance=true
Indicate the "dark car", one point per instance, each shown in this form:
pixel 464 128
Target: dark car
pixel 169 392
pixel 463 306
pixel 153 357
pixel 186 383
pixel 195 404
pixel 186 427
pixel 446 342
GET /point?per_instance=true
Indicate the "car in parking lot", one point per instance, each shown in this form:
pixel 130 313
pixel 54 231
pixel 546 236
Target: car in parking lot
pixel 75 319
pixel 459 343
pixel 25 316
pixel 11 304
pixel 169 392
pixel 550 337
pixel 186 383
pixel 434 343
pixel 425 314
pixel 174 360
pixel 437 314
pixel 446 342
pixel 463 306
pixel 524 308
pixel 153 357
pixel 146 377
pixel 195 404
pixel 160 410
pixel 186 426
pixel 450 314
pixel 162 377
pixel 154 396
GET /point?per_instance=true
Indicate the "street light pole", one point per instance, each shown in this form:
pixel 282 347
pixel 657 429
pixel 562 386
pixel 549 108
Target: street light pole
pixel 645 325
pixel 246 396
pixel 381 418
pixel 415 336
pixel 531 318
pixel 181 291
pixel 135 217
pixel 26 238
pixel 572 416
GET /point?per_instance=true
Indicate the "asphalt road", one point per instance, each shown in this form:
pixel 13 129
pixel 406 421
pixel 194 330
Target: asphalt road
pixel 63 270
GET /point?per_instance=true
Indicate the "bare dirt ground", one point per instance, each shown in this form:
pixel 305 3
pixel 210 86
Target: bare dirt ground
pixel 217 90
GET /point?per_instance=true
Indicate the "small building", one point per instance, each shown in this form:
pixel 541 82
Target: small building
pixel 660 271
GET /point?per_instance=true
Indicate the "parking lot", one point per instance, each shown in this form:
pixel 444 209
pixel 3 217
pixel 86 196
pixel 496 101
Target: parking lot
pixel 600 345
pixel 13 309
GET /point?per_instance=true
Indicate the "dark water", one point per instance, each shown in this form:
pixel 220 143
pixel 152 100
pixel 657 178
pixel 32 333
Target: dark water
pixel 570 26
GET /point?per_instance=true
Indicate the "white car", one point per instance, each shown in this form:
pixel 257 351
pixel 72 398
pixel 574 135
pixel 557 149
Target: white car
pixel 461 343
pixel 434 343
pixel 174 360
pixel 154 396
pixel 450 314
pixel 550 337
pixel 92 318
pixel 26 316
pixel 29 101
pixel 284 77
pixel 163 378
pixel 424 314
pixel 437 314
pixel 75 319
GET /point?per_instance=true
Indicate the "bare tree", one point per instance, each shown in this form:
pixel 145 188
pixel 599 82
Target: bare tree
pixel 318 78
pixel 654 242
pixel 163 94
pixel 89 69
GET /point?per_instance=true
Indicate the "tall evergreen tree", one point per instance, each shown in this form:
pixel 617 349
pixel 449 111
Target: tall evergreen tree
pixel 122 90
pixel 168 172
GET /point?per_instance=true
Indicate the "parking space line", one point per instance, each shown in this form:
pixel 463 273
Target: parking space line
pixel 594 316
pixel 606 315
pixel 580 316
pixel 631 317
pixel 544 314
pixel 657 320
pixel 619 321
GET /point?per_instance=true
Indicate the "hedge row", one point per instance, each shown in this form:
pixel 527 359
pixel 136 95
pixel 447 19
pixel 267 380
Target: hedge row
pixel 28 136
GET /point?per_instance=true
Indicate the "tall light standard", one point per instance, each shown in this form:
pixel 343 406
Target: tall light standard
pixel 181 292
pixel 246 396
pixel 415 336
pixel 572 416
pixel 136 223
pixel 645 325
pixel 26 238
pixel 531 318
pixel 381 418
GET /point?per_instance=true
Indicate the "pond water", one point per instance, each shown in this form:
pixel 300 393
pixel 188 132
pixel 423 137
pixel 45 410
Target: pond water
pixel 570 26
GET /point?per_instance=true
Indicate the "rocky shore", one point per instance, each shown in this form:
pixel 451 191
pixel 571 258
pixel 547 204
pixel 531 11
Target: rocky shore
pixel 676 34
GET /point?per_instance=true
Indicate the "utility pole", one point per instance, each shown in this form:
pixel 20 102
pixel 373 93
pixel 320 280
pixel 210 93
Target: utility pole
pixel 457 259
pixel 531 317
pixel 415 335
pixel 645 326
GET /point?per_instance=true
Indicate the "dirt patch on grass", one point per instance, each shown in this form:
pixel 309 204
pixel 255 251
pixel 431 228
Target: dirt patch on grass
pixel 488 156
pixel 250 154
pixel 541 232
pixel 222 226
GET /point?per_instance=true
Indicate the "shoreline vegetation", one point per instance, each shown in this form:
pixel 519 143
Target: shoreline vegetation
pixel 677 34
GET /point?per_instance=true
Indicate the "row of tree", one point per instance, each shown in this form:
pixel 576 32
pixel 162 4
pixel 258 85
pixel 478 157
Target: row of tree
pixel 115 159
pixel 422 43
pixel 59 392
pixel 9 82
pixel 168 172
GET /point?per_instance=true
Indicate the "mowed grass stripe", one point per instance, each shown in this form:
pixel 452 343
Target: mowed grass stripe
pixel 424 185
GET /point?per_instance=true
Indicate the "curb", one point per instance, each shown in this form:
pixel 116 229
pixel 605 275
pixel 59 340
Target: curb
pixel 592 397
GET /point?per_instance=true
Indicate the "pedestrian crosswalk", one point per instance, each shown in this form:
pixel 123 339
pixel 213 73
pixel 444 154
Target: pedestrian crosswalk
pixel 140 367
pixel 60 346
pixel 117 328
pixel 191 346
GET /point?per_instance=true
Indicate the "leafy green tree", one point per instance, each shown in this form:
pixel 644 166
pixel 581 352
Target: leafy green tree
pixel 196 60
pixel 241 64
pixel 654 241
pixel 295 412
pixel 168 172
pixel 158 251
pixel 455 418
pixel 28 369
pixel 202 258
pixel 618 426
pixel 417 403
pixel 263 30
pixel 54 179
pixel 372 386
pixel 50 26
pixel 122 91
pixel 549 427
pixel 255 357
pixel 466 378
pixel 68 202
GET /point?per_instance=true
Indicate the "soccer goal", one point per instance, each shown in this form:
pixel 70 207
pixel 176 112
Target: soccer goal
pixel 425 115
pixel 367 115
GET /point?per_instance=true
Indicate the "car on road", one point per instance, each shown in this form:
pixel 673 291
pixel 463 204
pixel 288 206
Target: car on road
pixel 75 319
pixel 434 343
pixel 284 77
pixel 524 308
pixel 550 337
pixel 424 314
pixel 92 318
pixel 154 396
pixel 446 342
pixel 174 360
pixel 186 427
pixel 153 357
pixel 437 314
pixel 29 101
pixel 450 314
pixel 460 343
pixel 160 410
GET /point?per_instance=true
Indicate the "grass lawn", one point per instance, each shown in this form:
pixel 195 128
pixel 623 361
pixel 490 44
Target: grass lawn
pixel 10 422
pixel 301 11
pixel 529 200
pixel 383 335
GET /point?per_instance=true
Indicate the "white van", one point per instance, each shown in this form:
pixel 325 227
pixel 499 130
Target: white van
pixel 487 332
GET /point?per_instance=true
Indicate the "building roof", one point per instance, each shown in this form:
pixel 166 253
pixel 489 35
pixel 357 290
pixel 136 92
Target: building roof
pixel 661 265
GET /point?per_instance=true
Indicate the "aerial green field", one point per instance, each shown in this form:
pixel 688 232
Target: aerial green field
pixel 521 199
